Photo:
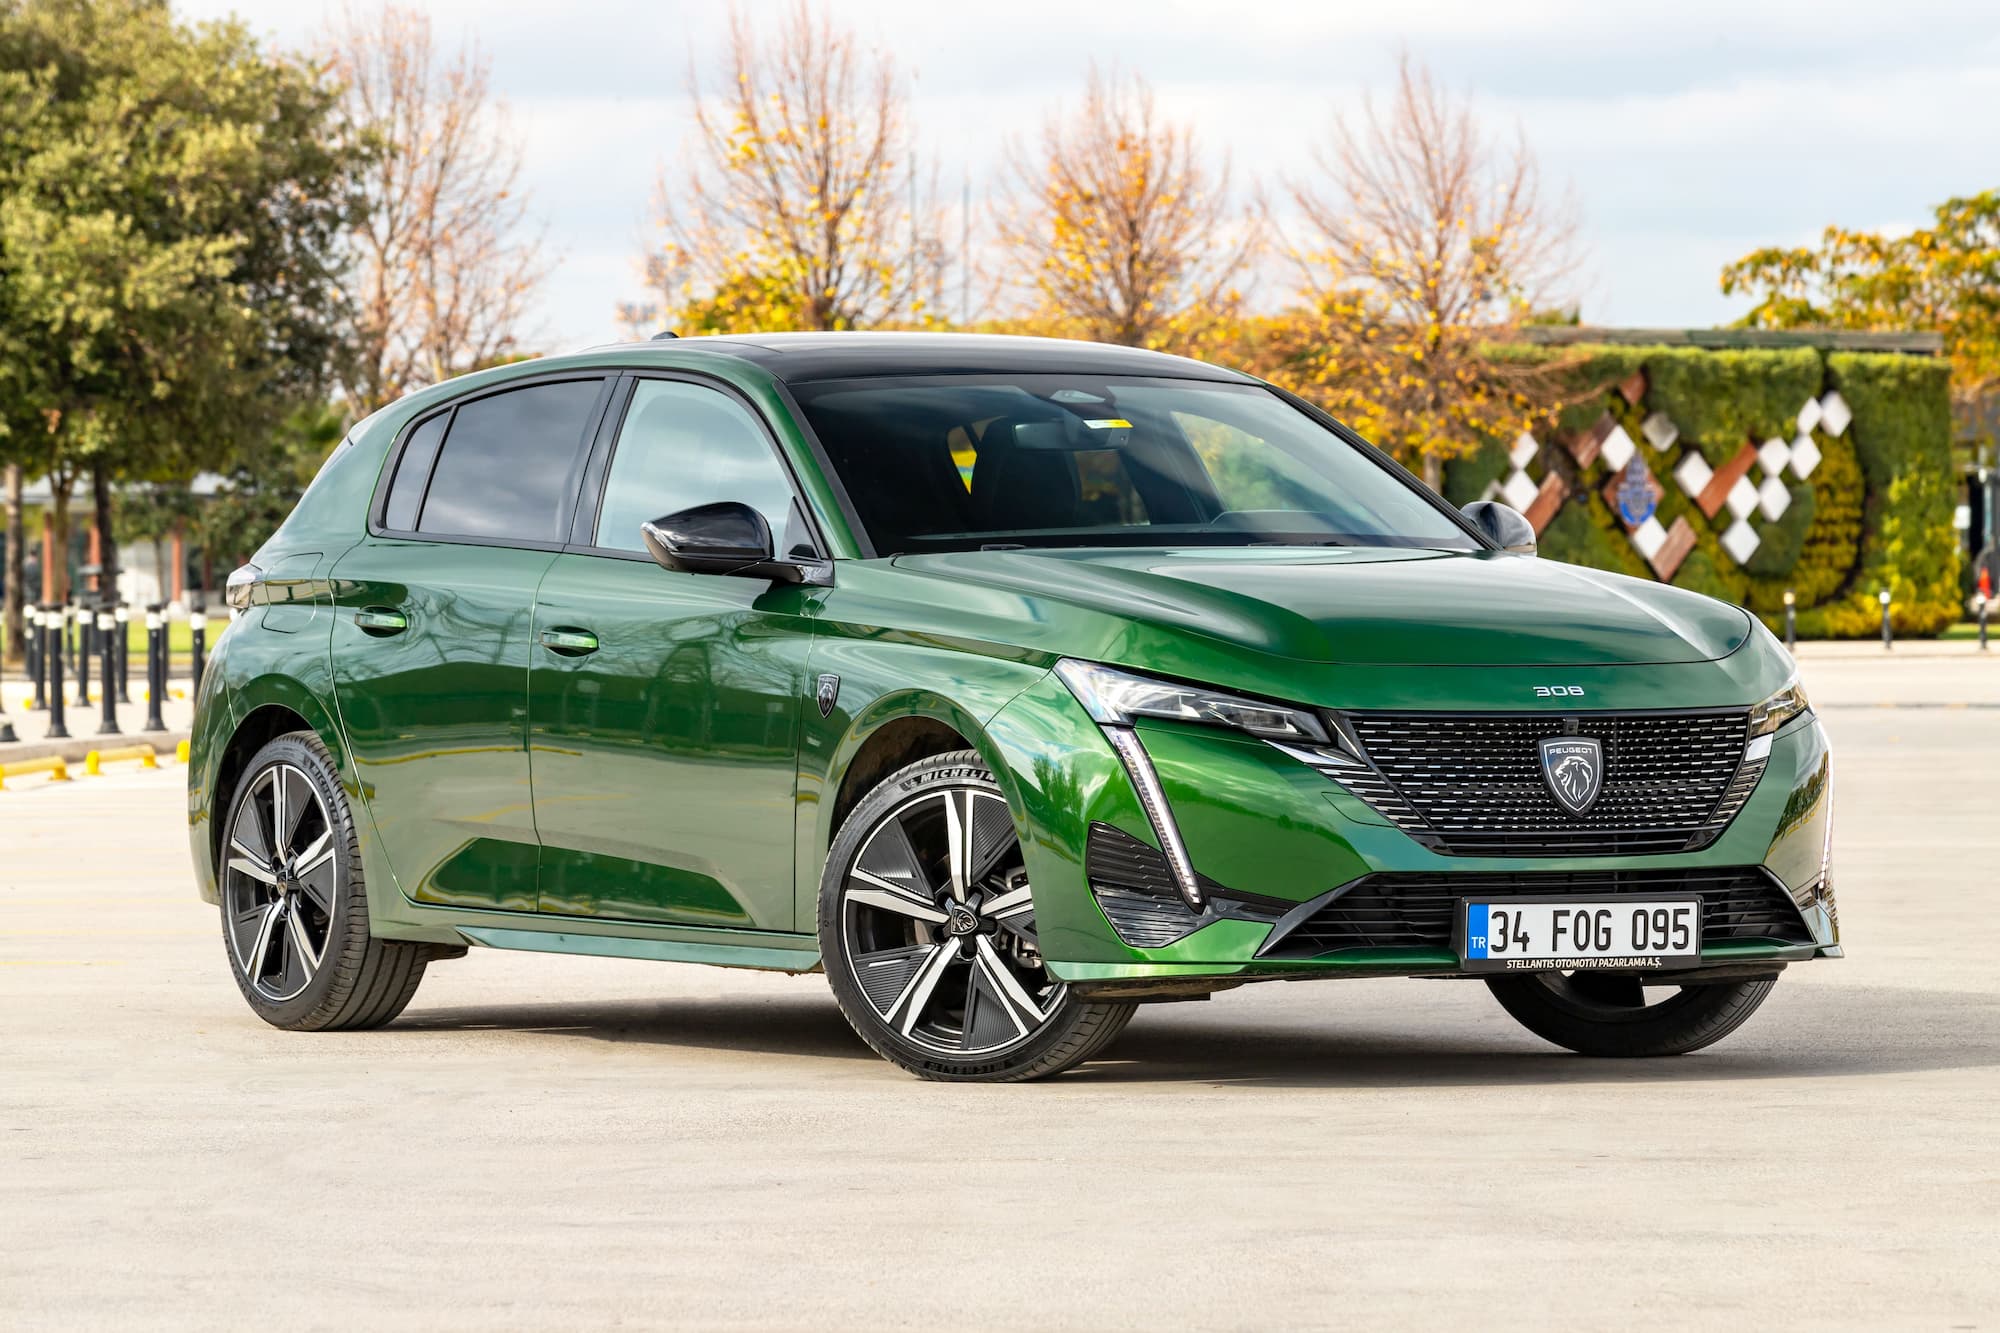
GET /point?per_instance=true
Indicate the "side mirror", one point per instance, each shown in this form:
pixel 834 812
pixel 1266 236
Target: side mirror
pixel 1504 527
pixel 727 537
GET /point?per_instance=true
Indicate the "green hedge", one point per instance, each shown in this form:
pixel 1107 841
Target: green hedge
pixel 1875 513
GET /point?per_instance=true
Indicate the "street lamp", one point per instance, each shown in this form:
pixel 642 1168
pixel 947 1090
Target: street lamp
pixel 1883 597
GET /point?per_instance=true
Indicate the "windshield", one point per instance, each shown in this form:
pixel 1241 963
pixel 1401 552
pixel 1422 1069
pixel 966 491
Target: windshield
pixel 963 462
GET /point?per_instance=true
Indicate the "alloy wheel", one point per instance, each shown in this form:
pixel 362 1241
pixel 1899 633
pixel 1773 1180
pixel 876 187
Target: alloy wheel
pixel 279 882
pixel 939 926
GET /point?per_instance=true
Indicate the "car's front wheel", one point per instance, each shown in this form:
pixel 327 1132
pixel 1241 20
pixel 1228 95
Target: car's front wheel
pixel 294 904
pixel 927 928
pixel 1616 1014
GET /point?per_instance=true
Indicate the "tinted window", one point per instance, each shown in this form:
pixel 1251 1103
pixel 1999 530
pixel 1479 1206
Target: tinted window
pixel 684 445
pixel 504 470
pixel 406 492
pixel 959 462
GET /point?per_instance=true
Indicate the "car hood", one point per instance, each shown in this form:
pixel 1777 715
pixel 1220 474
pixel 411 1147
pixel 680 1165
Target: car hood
pixel 1359 606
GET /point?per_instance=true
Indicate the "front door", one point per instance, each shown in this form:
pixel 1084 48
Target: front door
pixel 664 707
pixel 433 627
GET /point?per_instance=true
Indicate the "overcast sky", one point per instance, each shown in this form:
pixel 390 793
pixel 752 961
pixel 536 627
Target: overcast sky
pixel 1690 132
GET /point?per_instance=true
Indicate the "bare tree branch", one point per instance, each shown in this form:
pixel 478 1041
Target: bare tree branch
pixel 1118 229
pixel 446 261
pixel 799 202
pixel 1424 242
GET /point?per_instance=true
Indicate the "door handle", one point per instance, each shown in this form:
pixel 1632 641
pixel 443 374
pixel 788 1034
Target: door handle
pixel 569 642
pixel 381 620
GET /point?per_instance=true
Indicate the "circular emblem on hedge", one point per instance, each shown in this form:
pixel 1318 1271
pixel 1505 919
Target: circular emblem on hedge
pixel 1638 494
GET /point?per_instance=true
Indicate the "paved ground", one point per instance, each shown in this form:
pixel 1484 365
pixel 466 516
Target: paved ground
pixel 551 1142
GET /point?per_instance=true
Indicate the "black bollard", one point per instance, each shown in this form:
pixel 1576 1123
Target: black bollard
pixel 52 622
pixel 198 628
pixel 156 669
pixel 86 635
pixel 37 667
pixel 6 722
pixel 108 690
pixel 121 635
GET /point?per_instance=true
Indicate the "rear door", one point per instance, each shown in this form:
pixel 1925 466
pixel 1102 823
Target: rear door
pixel 664 707
pixel 433 627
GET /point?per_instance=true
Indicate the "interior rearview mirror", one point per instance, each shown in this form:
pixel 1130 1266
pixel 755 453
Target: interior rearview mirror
pixel 1070 433
pixel 1504 527
pixel 726 537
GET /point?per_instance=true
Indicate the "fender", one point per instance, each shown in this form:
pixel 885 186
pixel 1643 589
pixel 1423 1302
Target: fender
pixel 829 746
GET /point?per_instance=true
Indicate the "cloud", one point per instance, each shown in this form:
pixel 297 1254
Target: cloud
pixel 1690 134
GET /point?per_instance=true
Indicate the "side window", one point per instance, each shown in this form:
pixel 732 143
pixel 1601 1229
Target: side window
pixel 504 469
pixel 406 492
pixel 684 445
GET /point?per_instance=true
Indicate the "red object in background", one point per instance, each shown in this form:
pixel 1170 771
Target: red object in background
pixel 1986 583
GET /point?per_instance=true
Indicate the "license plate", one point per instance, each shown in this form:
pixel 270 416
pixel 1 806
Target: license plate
pixel 1546 935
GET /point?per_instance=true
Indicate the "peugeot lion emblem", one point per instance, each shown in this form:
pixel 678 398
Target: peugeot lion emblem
pixel 829 690
pixel 1573 766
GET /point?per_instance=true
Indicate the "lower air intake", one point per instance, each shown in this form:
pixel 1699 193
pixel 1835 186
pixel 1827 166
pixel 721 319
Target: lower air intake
pixel 1419 911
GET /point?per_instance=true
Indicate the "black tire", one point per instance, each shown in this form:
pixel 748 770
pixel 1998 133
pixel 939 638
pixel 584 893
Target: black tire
pixel 1054 1030
pixel 1595 1013
pixel 356 981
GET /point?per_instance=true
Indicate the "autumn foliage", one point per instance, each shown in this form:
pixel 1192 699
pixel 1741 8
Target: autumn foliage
pixel 1117 229
pixel 800 203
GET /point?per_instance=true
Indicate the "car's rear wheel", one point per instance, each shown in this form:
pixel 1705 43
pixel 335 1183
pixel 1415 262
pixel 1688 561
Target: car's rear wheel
pixel 1621 1015
pixel 927 928
pixel 294 904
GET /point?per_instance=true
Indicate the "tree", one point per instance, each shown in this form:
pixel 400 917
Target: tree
pixel 445 260
pixel 1944 277
pixel 262 486
pixel 1433 244
pixel 170 200
pixel 800 203
pixel 1120 229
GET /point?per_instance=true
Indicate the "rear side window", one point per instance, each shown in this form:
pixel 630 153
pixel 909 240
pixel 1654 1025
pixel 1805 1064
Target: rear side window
pixel 505 466
pixel 406 492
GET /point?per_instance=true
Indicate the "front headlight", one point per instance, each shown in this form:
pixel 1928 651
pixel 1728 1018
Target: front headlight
pixel 1118 698
pixel 1789 702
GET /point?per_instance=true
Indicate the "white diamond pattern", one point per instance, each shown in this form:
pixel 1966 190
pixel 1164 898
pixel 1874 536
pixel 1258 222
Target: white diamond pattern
pixel 1742 498
pixel 1524 450
pixel 1618 449
pixel 1660 431
pixel 1519 491
pixel 1649 537
pixel 1805 457
pixel 1809 416
pixel 1694 473
pixel 1740 541
pixel 1773 456
pixel 1834 413
pixel 1774 498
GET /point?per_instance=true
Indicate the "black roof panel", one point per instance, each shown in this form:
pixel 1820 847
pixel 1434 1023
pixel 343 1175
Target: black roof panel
pixel 799 357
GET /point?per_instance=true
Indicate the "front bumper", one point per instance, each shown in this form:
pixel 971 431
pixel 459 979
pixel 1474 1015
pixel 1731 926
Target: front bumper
pixel 1267 834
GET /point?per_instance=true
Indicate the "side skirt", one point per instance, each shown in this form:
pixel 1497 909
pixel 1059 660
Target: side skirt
pixel 732 953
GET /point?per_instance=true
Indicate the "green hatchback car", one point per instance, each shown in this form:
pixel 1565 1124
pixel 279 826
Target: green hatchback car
pixel 1012 683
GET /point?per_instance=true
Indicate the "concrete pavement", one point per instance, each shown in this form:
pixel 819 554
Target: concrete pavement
pixel 548 1142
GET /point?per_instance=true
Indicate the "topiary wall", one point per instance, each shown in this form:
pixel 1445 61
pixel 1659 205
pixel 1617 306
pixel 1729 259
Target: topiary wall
pixel 1744 473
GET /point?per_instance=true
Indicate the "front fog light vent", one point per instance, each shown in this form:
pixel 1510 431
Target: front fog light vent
pixel 1134 886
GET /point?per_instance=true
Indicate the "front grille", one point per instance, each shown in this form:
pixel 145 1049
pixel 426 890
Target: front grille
pixel 1470 784
pixel 1420 911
